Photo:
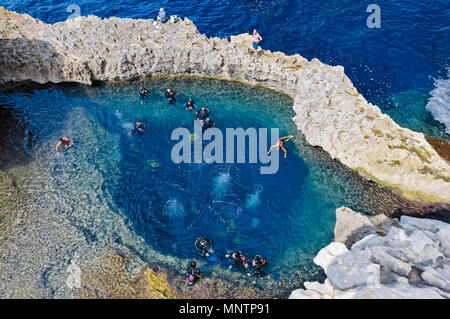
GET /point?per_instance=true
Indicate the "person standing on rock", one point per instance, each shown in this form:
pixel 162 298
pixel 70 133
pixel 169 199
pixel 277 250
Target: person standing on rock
pixel 256 39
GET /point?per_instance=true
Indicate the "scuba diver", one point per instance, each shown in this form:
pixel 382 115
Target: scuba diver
pixel 139 127
pixel 238 260
pixel 202 114
pixel 204 246
pixel 207 123
pixel 257 266
pixel 64 142
pixel 193 273
pixel 143 92
pixel 280 143
pixel 170 95
pixel 189 105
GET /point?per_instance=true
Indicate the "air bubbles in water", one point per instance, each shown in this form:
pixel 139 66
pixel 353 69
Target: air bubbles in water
pixel 173 208
pixel 253 199
pixel 222 181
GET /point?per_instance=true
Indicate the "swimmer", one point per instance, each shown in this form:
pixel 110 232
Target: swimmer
pixel 64 142
pixel 143 92
pixel 238 260
pixel 139 128
pixel 170 95
pixel 203 246
pixel 280 144
pixel 202 114
pixel 257 266
pixel 189 105
pixel 207 123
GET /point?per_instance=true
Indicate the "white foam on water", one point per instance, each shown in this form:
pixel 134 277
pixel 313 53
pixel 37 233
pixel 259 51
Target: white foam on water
pixel 127 126
pixel 255 222
pixel 439 103
pixel 222 181
pixel 173 208
pixel 253 200
pixel 118 114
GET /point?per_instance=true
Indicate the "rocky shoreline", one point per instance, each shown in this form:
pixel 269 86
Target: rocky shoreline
pixel 372 257
pixel 378 257
pixel 329 110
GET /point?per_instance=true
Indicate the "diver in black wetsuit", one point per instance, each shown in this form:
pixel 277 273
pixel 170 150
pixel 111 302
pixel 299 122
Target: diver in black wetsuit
pixel 238 260
pixel 193 273
pixel 170 95
pixel 207 123
pixel 202 114
pixel 257 266
pixel 203 246
pixel 139 127
pixel 143 92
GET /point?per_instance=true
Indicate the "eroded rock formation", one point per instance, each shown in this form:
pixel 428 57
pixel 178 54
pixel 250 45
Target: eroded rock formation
pixel 329 110
pixel 406 259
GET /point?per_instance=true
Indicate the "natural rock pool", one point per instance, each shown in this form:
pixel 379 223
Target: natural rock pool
pixel 113 185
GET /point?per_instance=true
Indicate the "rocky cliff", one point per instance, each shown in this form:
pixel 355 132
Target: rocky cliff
pixel 382 258
pixel 329 111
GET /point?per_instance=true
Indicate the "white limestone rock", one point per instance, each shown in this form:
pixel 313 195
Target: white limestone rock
pixel 410 261
pixel 352 226
pixel 326 255
pixel 395 291
pixel 438 277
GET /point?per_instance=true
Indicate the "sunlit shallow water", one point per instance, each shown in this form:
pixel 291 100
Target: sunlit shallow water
pixel 114 184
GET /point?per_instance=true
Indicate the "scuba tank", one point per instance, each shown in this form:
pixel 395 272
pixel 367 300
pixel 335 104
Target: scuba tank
pixel 191 280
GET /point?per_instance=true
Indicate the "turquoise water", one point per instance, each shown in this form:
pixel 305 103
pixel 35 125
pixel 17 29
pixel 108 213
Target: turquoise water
pixel 123 186
pixel 409 109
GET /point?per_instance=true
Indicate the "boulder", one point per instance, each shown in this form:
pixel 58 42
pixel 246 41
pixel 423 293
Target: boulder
pixel 409 261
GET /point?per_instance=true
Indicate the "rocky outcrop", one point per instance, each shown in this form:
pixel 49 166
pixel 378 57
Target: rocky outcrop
pixel 405 260
pixel 352 226
pixel 329 110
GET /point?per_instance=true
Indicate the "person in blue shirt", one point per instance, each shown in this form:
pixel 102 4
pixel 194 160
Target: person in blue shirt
pixel 162 16
pixel 189 105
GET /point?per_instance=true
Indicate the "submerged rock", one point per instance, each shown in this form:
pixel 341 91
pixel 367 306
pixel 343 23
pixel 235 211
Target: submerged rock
pixel 410 261
pixel 329 110
pixel 108 277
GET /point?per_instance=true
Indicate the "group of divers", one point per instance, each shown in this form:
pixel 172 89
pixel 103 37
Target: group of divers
pixel 253 266
pixel 202 114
